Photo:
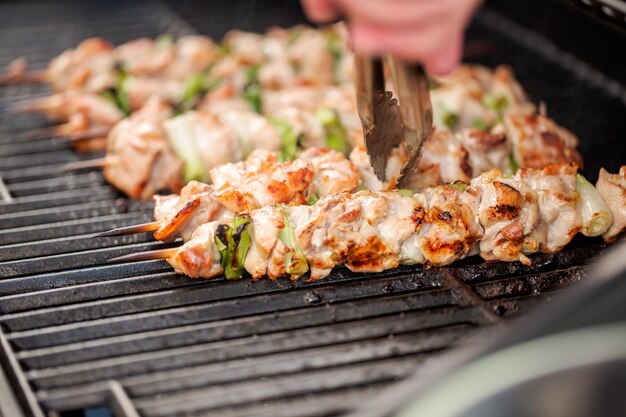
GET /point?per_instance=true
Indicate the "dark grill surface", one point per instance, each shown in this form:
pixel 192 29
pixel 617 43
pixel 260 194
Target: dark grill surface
pixel 77 332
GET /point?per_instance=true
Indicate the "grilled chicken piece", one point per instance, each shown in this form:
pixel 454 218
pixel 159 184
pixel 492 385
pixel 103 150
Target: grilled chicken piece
pixel 261 180
pixel 450 230
pixel 180 215
pixel 612 188
pixel 160 58
pixel 557 199
pixel 538 141
pixel 143 162
pixel 333 173
pixel 508 213
pixel 486 150
pixel 62 106
pixel 89 67
pixel 201 257
pixel 497 217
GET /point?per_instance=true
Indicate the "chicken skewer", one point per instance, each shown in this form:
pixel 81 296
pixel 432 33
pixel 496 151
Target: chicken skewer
pixel 141 142
pixel 498 218
pixel 178 72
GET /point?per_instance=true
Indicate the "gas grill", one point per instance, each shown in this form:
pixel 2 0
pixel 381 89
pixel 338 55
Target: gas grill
pixel 80 335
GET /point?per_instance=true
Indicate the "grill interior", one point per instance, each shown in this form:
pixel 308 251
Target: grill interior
pixel 77 332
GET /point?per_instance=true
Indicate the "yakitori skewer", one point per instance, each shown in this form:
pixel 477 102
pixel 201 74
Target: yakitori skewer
pixel 497 217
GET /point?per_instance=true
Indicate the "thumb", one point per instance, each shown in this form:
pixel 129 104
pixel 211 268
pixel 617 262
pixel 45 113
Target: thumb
pixel 447 58
pixel 321 11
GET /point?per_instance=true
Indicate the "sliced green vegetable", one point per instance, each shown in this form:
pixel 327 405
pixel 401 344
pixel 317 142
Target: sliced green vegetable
pixel 121 92
pixel 479 123
pixel 181 136
pixel 449 119
pixel 252 88
pixel 295 260
pixel 197 86
pixel 313 198
pixel 336 136
pixel 334 46
pixel 511 170
pixel 459 185
pixel 165 41
pixel 233 243
pixel 596 215
pixel 497 103
pixel 290 139
pixel 405 193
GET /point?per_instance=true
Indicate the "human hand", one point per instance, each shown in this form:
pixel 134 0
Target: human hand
pixel 428 31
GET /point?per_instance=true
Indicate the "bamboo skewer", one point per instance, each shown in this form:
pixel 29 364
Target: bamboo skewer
pixel 146 256
pixel 92 163
pixel 129 230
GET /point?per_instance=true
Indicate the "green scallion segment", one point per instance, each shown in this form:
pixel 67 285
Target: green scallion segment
pixel 449 119
pixel 496 103
pixel 512 168
pixel 459 185
pixel 295 260
pixel 479 123
pixel 596 215
pixel 405 193
pixel 233 243
pixel 313 198
pixel 336 136
pixel 165 41
pixel 181 135
pixel 290 139
pixel 252 88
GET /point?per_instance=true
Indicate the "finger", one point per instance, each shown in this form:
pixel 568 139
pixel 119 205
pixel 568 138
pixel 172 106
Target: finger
pixel 448 58
pixel 398 13
pixel 321 11
pixel 415 44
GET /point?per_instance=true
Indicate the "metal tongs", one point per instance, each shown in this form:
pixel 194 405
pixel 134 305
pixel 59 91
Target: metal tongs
pixel 387 125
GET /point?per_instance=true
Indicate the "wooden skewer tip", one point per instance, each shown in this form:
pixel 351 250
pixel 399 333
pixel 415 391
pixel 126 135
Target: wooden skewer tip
pixel 130 230
pixel 145 256
pixel 93 163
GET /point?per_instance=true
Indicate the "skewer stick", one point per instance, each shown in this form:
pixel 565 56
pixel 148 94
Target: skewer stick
pixel 35 77
pixel 146 256
pixel 49 132
pixel 92 163
pixel 130 230
pixel 91 133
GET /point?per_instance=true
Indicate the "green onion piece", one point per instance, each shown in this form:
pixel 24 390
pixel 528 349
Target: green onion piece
pixel 596 215
pixel 496 103
pixel 252 88
pixel 313 199
pixel 459 185
pixel 512 168
pixel 121 92
pixel 406 193
pixel 334 47
pixel 290 139
pixel 336 136
pixel 449 119
pixel 196 87
pixel 479 123
pixel 165 41
pixel 295 260
pixel 361 187
pixel 233 244
pixel 181 136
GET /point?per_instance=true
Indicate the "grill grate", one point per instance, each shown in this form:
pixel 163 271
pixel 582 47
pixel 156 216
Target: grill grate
pixel 76 332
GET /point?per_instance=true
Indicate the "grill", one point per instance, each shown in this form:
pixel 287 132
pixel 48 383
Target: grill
pixel 78 333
